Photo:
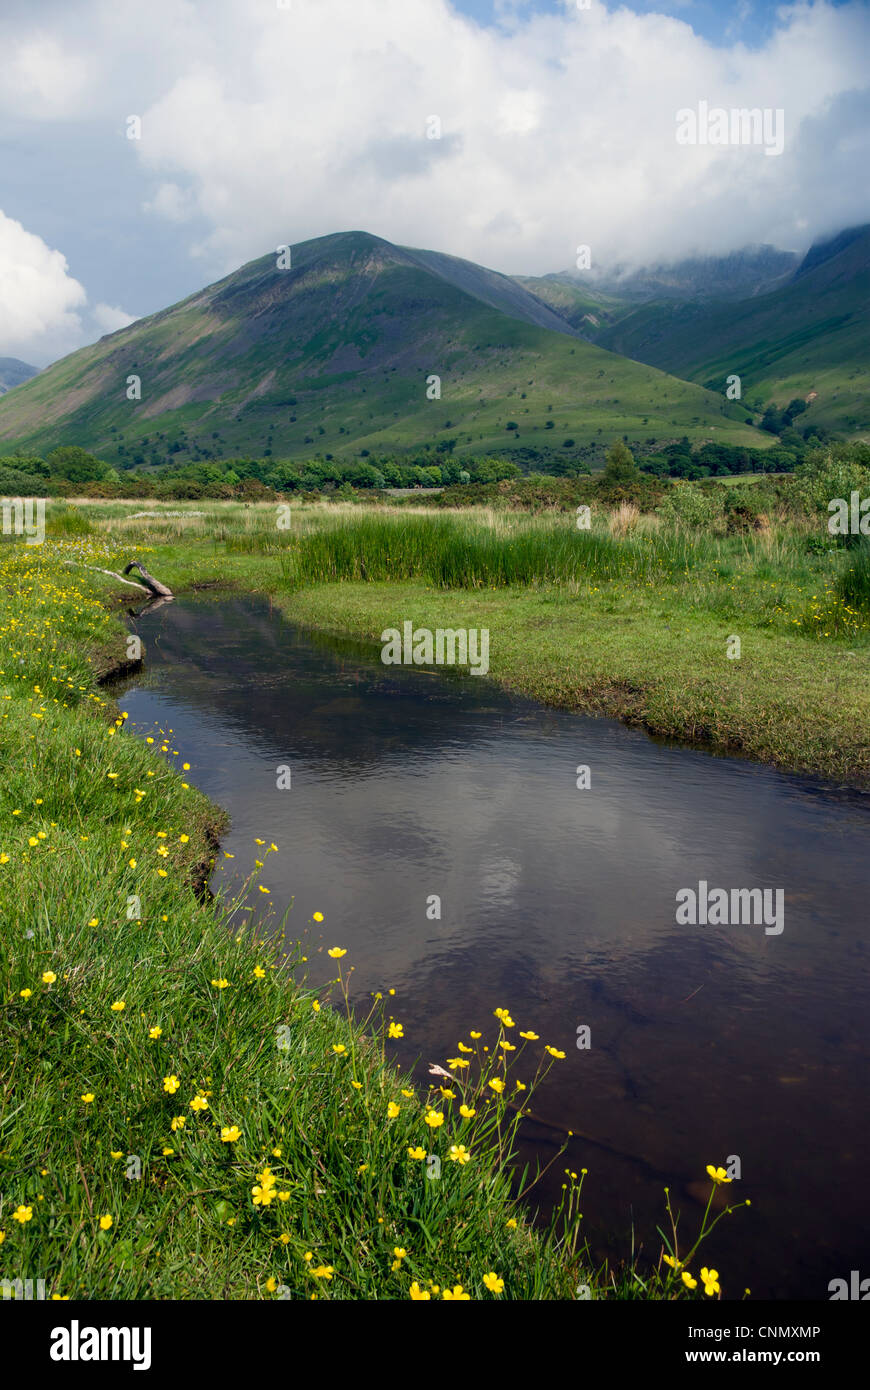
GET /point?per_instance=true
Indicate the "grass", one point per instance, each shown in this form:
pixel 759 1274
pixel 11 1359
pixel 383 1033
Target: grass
pixel 181 1114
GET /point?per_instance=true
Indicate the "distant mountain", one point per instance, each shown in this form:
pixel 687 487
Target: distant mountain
pixel 739 275
pixel 340 353
pixel 810 337
pixel 14 373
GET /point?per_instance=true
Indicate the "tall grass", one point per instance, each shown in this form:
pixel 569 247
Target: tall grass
pixel 470 554
pixel 853 582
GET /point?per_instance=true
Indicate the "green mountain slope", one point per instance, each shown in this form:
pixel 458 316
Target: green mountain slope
pixel 809 338
pixel 334 354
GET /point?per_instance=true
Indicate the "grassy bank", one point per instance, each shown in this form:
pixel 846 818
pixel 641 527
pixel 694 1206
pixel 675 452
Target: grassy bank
pixel 181 1116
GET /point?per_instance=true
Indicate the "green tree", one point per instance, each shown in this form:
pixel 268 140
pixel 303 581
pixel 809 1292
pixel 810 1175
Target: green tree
pixel 619 464
pixel 76 465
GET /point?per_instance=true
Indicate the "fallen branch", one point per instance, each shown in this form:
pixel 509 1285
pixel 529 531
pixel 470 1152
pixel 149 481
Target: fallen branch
pixel 111 573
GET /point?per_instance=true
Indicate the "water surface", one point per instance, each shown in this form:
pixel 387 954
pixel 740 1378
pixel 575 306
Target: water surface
pixel 559 903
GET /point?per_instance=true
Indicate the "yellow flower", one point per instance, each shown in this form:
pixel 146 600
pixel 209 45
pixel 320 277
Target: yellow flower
pixel 271 1285
pixel 496 1084
pixel 503 1015
pixel 457 1063
pixel 118 1006
pixel 717 1174
pixel 323 1272
pixel 511 1223
pixel 263 1195
pixel 710 1279
pixel 419 1295
pixel 338 1048
pixel 88 1097
pixel 336 952
pixel 26 993
pixel 554 1051
pixel 392 1110
pixel 220 984
pixel 530 1036
pixel 493 1283
pixel 116 1153
pixel 459 1154
pixel 669 1260
pixel 472 1034
pixel 105 1222
pixel 417 1153
pixel 318 916
pixel 49 977
pixel 259 972
pixel 395 1030
pixel 466 1112
pixel 447 1093
pixel 178 1123
pixel 155 1032
pixel 171 1084
pixel 230 1133
pixel 433 1118
pixel 284 1238
pixel 687 1279
pixel 22 1214
pixel 456 1295
pixel 199 1103
pixel 167 1152
pixel 94 922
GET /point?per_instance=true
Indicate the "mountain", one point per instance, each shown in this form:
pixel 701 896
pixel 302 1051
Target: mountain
pixel 810 337
pixel 334 355
pixel 739 275
pixel 14 373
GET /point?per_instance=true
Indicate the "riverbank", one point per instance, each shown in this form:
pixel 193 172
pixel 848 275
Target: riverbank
pixel 182 1116
pixel 644 634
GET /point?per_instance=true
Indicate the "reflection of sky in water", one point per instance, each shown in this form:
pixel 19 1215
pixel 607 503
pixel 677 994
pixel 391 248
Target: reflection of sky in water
pixel 557 902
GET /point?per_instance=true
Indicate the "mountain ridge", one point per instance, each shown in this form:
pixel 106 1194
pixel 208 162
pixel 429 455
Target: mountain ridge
pixel 340 351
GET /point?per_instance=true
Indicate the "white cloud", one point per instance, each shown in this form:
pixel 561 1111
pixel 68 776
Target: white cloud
pixel 39 299
pixel 560 131
pixel 44 311
pixel 109 318
pixel 268 126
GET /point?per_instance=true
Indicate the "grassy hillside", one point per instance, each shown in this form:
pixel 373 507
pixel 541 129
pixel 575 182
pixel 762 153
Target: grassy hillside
pixel 809 336
pixel 333 355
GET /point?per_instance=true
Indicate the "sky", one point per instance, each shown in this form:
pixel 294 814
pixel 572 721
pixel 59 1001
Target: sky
pixel 511 132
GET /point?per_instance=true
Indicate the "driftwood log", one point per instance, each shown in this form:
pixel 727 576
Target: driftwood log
pixel 149 581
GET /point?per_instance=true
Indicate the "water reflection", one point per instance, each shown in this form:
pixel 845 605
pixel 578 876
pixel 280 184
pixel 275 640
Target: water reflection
pixel 560 903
